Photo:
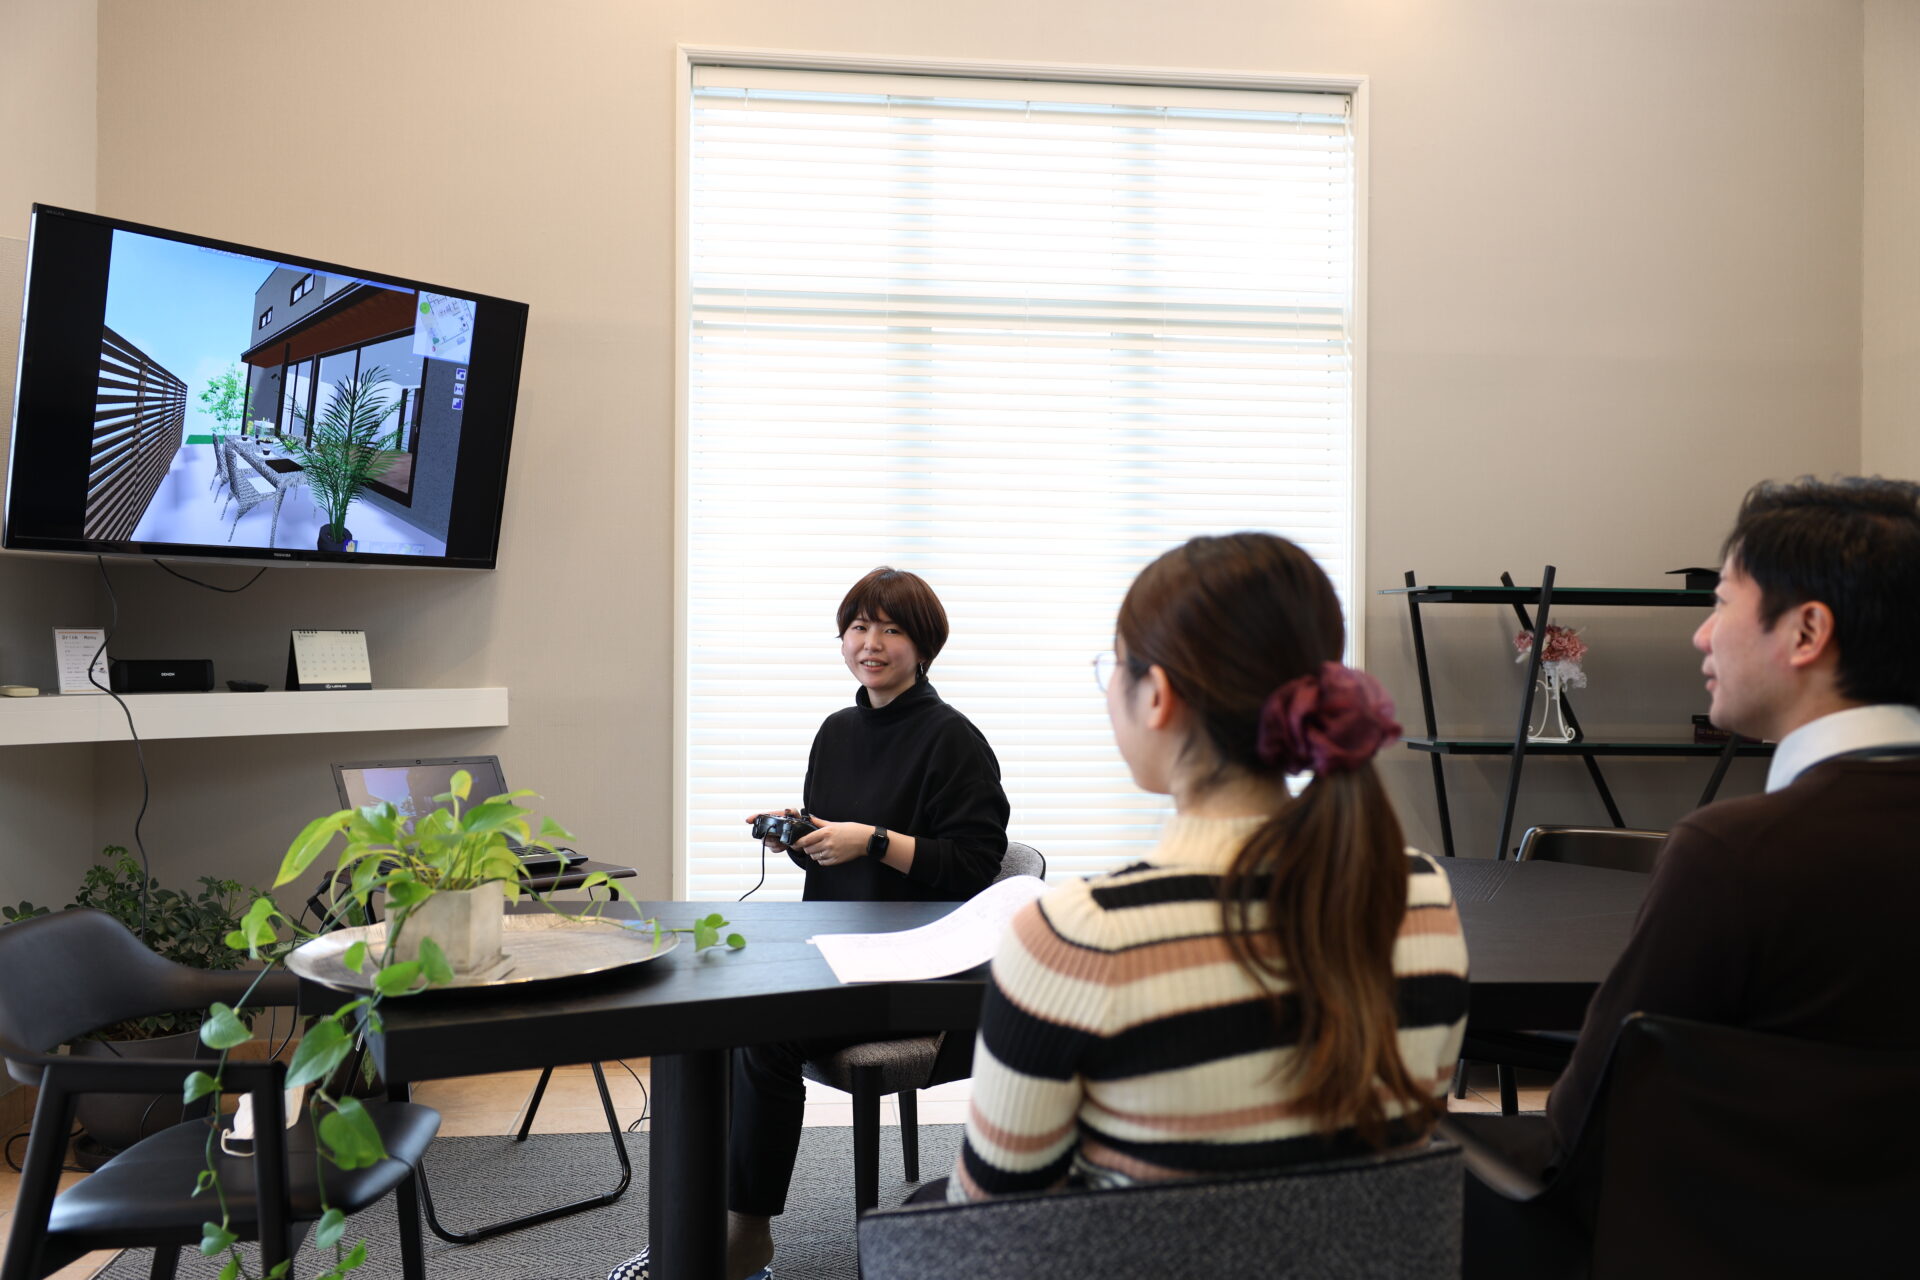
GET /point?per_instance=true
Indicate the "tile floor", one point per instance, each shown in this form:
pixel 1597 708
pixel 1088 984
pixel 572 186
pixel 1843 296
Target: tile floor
pixel 482 1105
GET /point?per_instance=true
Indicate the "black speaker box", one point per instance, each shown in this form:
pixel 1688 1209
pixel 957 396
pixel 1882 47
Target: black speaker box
pixel 156 675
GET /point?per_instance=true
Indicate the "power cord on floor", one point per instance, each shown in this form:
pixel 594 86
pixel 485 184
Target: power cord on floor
pixel 23 1133
pixel 646 1099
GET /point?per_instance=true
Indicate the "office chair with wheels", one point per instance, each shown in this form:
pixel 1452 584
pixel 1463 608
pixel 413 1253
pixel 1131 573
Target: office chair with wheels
pixel 1713 1151
pixel 1612 848
pixel 877 1068
pixel 88 972
pixel 1398 1216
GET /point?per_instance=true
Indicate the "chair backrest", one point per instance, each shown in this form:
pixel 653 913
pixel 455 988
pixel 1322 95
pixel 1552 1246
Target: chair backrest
pixel 1396 1216
pixel 88 971
pixel 1021 860
pixel 1718 1151
pixel 1615 848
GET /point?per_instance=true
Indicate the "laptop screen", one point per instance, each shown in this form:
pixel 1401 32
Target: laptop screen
pixel 411 785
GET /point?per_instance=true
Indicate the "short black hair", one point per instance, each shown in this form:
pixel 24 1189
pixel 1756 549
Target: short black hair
pixel 907 601
pixel 1852 544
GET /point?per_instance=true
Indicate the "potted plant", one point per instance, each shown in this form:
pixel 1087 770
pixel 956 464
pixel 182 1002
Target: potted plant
pixel 185 927
pixel 459 853
pixel 343 450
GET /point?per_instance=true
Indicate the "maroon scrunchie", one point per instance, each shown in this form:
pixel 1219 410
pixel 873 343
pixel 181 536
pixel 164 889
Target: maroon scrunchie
pixel 1330 722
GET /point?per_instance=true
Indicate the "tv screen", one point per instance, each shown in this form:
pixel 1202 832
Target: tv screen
pixel 185 397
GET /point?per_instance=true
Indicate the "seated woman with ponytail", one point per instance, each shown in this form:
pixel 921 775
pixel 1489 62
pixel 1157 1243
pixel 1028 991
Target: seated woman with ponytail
pixel 1281 980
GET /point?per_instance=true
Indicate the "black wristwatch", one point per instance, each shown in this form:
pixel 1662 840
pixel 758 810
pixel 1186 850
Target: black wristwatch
pixel 877 843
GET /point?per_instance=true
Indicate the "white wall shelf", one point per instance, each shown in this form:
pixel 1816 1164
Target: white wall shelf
pixel 95 717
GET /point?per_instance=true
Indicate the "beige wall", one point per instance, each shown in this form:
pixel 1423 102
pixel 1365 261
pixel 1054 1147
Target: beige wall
pixel 1614 275
pixel 47 130
pixel 1890 293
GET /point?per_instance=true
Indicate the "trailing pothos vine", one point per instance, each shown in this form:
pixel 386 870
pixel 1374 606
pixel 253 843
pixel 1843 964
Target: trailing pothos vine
pixel 457 846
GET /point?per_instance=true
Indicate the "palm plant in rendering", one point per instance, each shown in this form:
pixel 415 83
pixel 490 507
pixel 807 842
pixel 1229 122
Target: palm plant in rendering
pixel 343 452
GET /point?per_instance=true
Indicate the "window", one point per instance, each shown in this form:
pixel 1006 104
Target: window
pixel 302 287
pixel 1018 337
pixel 266 318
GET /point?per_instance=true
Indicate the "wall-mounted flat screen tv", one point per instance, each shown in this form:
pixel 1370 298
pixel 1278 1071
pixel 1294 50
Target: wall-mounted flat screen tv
pixel 185 397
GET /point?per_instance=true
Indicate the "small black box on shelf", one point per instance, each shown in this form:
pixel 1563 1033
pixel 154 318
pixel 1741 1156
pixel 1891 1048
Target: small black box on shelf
pixel 160 675
pixel 1699 579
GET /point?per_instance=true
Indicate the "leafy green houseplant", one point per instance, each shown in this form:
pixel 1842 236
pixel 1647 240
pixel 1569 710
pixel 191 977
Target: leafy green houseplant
pixel 343 452
pixel 458 849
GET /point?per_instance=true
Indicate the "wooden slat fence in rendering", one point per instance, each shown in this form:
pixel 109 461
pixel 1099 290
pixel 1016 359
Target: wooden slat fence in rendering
pixel 139 423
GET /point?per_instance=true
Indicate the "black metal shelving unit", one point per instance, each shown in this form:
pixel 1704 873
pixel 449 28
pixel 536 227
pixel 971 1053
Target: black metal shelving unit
pixel 1517 749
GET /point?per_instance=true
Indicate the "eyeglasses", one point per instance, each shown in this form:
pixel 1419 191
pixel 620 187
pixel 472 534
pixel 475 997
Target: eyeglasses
pixel 1103 665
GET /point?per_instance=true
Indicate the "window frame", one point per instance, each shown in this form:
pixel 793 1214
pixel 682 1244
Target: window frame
pixel 690 56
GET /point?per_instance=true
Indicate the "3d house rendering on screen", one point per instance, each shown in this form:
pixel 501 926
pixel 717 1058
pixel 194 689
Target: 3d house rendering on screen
pixel 325 408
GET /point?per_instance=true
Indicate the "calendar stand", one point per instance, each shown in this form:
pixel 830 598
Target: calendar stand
pixel 328 660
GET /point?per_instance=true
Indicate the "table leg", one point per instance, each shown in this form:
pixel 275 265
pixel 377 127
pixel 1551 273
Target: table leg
pixel 413 1260
pixel 687 1181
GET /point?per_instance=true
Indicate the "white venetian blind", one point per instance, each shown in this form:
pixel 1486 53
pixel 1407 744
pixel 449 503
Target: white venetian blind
pixel 1020 338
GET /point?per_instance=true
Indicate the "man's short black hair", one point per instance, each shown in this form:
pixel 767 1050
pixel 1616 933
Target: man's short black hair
pixel 1851 544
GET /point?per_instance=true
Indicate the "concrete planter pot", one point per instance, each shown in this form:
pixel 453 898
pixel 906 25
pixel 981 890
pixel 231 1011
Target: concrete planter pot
pixel 466 925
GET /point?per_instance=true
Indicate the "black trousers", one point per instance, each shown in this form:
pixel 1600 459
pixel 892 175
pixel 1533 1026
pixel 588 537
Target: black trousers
pixel 769 1104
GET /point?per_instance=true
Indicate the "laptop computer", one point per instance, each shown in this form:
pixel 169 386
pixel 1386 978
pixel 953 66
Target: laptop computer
pixel 411 785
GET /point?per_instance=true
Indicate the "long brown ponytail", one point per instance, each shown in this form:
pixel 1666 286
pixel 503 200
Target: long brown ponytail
pixel 1230 620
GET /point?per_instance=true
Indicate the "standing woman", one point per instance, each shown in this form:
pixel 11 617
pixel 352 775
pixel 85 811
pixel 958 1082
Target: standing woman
pixel 1281 980
pixel 906 795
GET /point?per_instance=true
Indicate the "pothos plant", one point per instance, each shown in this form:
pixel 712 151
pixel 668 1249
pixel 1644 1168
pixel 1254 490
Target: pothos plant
pixel 457 846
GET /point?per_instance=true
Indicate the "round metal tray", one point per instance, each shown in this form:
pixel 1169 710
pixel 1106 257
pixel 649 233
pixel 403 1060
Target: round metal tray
pixel 539 948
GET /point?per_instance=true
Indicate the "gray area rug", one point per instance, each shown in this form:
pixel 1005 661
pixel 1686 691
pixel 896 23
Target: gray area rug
pixel 479 1180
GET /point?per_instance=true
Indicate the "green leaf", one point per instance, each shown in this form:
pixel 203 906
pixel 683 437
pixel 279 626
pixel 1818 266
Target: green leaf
pixel 280 1269
pixel 735 941
pixel 704 935
pixel 204 1181
pixel 551 830
pixel 199 1085
pixel 355 957
pixel 321 1051
pixel 232 1270
pixel 404 892
pixel 349 1134
pixel 307 846
pixel 398 979
pixel 327 1231
pixel 461 785
pixel 433 962
pixel 223 1029
pixel 256 928
pixel 215 1239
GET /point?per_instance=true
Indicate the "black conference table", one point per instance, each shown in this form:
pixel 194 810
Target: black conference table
pixel 1540 936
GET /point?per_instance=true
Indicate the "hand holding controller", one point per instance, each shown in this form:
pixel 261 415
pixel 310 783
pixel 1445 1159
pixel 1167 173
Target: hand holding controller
pixel 784 829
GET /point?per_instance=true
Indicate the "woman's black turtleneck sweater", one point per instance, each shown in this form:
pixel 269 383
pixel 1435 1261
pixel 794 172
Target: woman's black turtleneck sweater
pixel 915 766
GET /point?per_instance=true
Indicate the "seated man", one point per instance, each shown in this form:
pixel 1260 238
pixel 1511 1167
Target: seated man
pixel 1786 912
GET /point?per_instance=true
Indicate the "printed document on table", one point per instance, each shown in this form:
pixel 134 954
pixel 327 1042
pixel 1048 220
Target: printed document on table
pixel 964 938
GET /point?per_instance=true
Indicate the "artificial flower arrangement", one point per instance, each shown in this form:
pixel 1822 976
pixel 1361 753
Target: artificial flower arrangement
pixel 1561 653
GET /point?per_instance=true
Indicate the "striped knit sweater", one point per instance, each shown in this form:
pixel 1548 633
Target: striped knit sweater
pixel 1121 1042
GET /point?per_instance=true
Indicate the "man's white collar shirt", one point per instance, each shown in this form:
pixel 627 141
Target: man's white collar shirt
pixel 1885 724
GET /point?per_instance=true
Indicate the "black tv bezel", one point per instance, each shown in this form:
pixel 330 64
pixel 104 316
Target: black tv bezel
pixel 480 477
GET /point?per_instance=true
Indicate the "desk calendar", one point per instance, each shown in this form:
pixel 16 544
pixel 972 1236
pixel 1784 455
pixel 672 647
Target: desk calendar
pixel 328 660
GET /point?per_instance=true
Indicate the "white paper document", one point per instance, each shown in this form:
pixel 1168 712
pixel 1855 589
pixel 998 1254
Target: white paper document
pixel 74 648
pixel 965 937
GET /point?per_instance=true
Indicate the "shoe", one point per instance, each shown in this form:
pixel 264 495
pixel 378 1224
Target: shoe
pixel 639 1267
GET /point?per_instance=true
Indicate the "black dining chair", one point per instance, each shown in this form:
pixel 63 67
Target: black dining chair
pixel 872 1070
pixel 1611 848
pixel 1397 1216
pixel 89 971
pixel 1712 1151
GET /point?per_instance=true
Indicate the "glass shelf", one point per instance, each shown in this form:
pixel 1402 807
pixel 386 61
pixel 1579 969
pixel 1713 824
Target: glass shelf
pixel 1586 747
pixel 1634 596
